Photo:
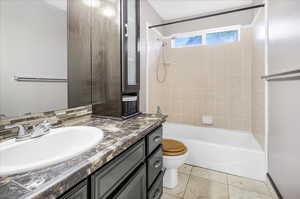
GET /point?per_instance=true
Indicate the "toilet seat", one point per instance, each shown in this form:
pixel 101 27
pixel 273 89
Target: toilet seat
pixel 173 147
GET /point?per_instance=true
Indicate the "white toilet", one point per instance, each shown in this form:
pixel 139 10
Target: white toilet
pixel 174 155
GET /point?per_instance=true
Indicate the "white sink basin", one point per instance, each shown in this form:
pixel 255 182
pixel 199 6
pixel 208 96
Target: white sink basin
pixel 59 145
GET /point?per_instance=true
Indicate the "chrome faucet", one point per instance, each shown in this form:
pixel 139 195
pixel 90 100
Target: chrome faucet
pixel 23 133
pixel 39 130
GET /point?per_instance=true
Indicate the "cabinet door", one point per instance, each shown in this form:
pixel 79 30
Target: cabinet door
pixel 131 54
pixel 79 53
pixel 154 140
pixel 109 178
pixel 79 192
pixel 106 57
pixel 154 165
pixel 135 188
pixel 156 190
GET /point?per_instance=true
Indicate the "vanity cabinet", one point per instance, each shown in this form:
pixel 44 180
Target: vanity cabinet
pixel 154 163
pixel 79 54
pixel 115 56
pixel 108 178
pixel 104 54
pixel 78 192
pixel 135 188
pixel 134 174
pixel 131 52
pixel 154 139
pixel 156 191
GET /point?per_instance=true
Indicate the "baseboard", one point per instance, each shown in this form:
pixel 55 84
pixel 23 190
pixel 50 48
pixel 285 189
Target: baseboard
pixel 274 186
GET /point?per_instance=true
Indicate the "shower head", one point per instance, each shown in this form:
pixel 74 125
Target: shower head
pixel 163 43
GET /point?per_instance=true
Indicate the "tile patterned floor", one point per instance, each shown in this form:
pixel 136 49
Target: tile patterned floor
pixel 200 183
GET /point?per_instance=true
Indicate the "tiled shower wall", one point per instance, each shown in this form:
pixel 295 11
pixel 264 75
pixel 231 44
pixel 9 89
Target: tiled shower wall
pixel 205 80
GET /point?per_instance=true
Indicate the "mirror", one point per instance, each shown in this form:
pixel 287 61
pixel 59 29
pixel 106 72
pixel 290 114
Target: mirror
pixel 34 57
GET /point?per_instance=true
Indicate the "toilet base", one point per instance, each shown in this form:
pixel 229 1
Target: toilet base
pixel 170 178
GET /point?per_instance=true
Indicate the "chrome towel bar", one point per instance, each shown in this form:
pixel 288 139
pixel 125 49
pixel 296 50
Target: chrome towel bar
pixel 284 76
pixel 38 79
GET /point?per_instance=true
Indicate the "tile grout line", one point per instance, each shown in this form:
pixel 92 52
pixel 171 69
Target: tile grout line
pixel 228 192
pixel 228 184
pixel 190 173
pixel 251 191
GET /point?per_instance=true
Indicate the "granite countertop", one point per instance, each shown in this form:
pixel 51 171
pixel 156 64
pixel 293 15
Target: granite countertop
pixel 52 181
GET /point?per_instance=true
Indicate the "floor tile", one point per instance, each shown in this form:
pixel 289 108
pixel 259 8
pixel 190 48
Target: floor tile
pixel 185 169
pixel 248 184
pixel 209 174
pixel 168 196
pixel 205 189
pixel 181 186
pixel 237 193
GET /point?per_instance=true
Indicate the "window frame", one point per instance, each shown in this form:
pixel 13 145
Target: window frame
pixel 203 35
pixel 173 41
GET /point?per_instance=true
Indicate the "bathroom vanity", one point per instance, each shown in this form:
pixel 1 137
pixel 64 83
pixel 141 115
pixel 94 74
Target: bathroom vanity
pixel 127 163
pixel 134 174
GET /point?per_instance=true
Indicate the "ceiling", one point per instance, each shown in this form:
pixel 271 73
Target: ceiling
pixel 173 9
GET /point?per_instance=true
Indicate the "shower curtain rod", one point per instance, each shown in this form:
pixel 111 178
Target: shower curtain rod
pixel 210 15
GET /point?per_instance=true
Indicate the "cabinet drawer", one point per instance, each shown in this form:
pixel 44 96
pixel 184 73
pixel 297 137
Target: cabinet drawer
pixel 110 176
pixel 78 192
pixel 157 189
pixel 135 188
pixel 154 139
pixel 154 163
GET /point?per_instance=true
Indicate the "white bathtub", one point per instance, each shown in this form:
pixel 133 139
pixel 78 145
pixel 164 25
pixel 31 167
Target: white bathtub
pixel 228 151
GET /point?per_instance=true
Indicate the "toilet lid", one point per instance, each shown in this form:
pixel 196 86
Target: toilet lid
pixel 173 147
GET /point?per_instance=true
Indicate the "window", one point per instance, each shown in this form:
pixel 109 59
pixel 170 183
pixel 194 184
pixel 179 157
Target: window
pixel 222 37
pixel 188 41
pixel 208 37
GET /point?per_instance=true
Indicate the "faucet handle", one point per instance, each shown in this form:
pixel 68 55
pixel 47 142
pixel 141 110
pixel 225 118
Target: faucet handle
pixel 45 125
pixel 22 131
pixel 41 129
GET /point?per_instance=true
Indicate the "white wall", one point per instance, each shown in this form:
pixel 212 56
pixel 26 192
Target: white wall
pixel 284 96
pixel 148 15
pixel 1 51
pixel 33 44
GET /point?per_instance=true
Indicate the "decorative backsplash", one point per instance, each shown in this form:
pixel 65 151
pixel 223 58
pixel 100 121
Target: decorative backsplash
pixel 56 118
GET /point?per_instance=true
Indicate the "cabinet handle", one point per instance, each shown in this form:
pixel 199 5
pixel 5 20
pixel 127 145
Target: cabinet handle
pixel 157 139
pixel 157 164
pixel 157 193
pixel 126 30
